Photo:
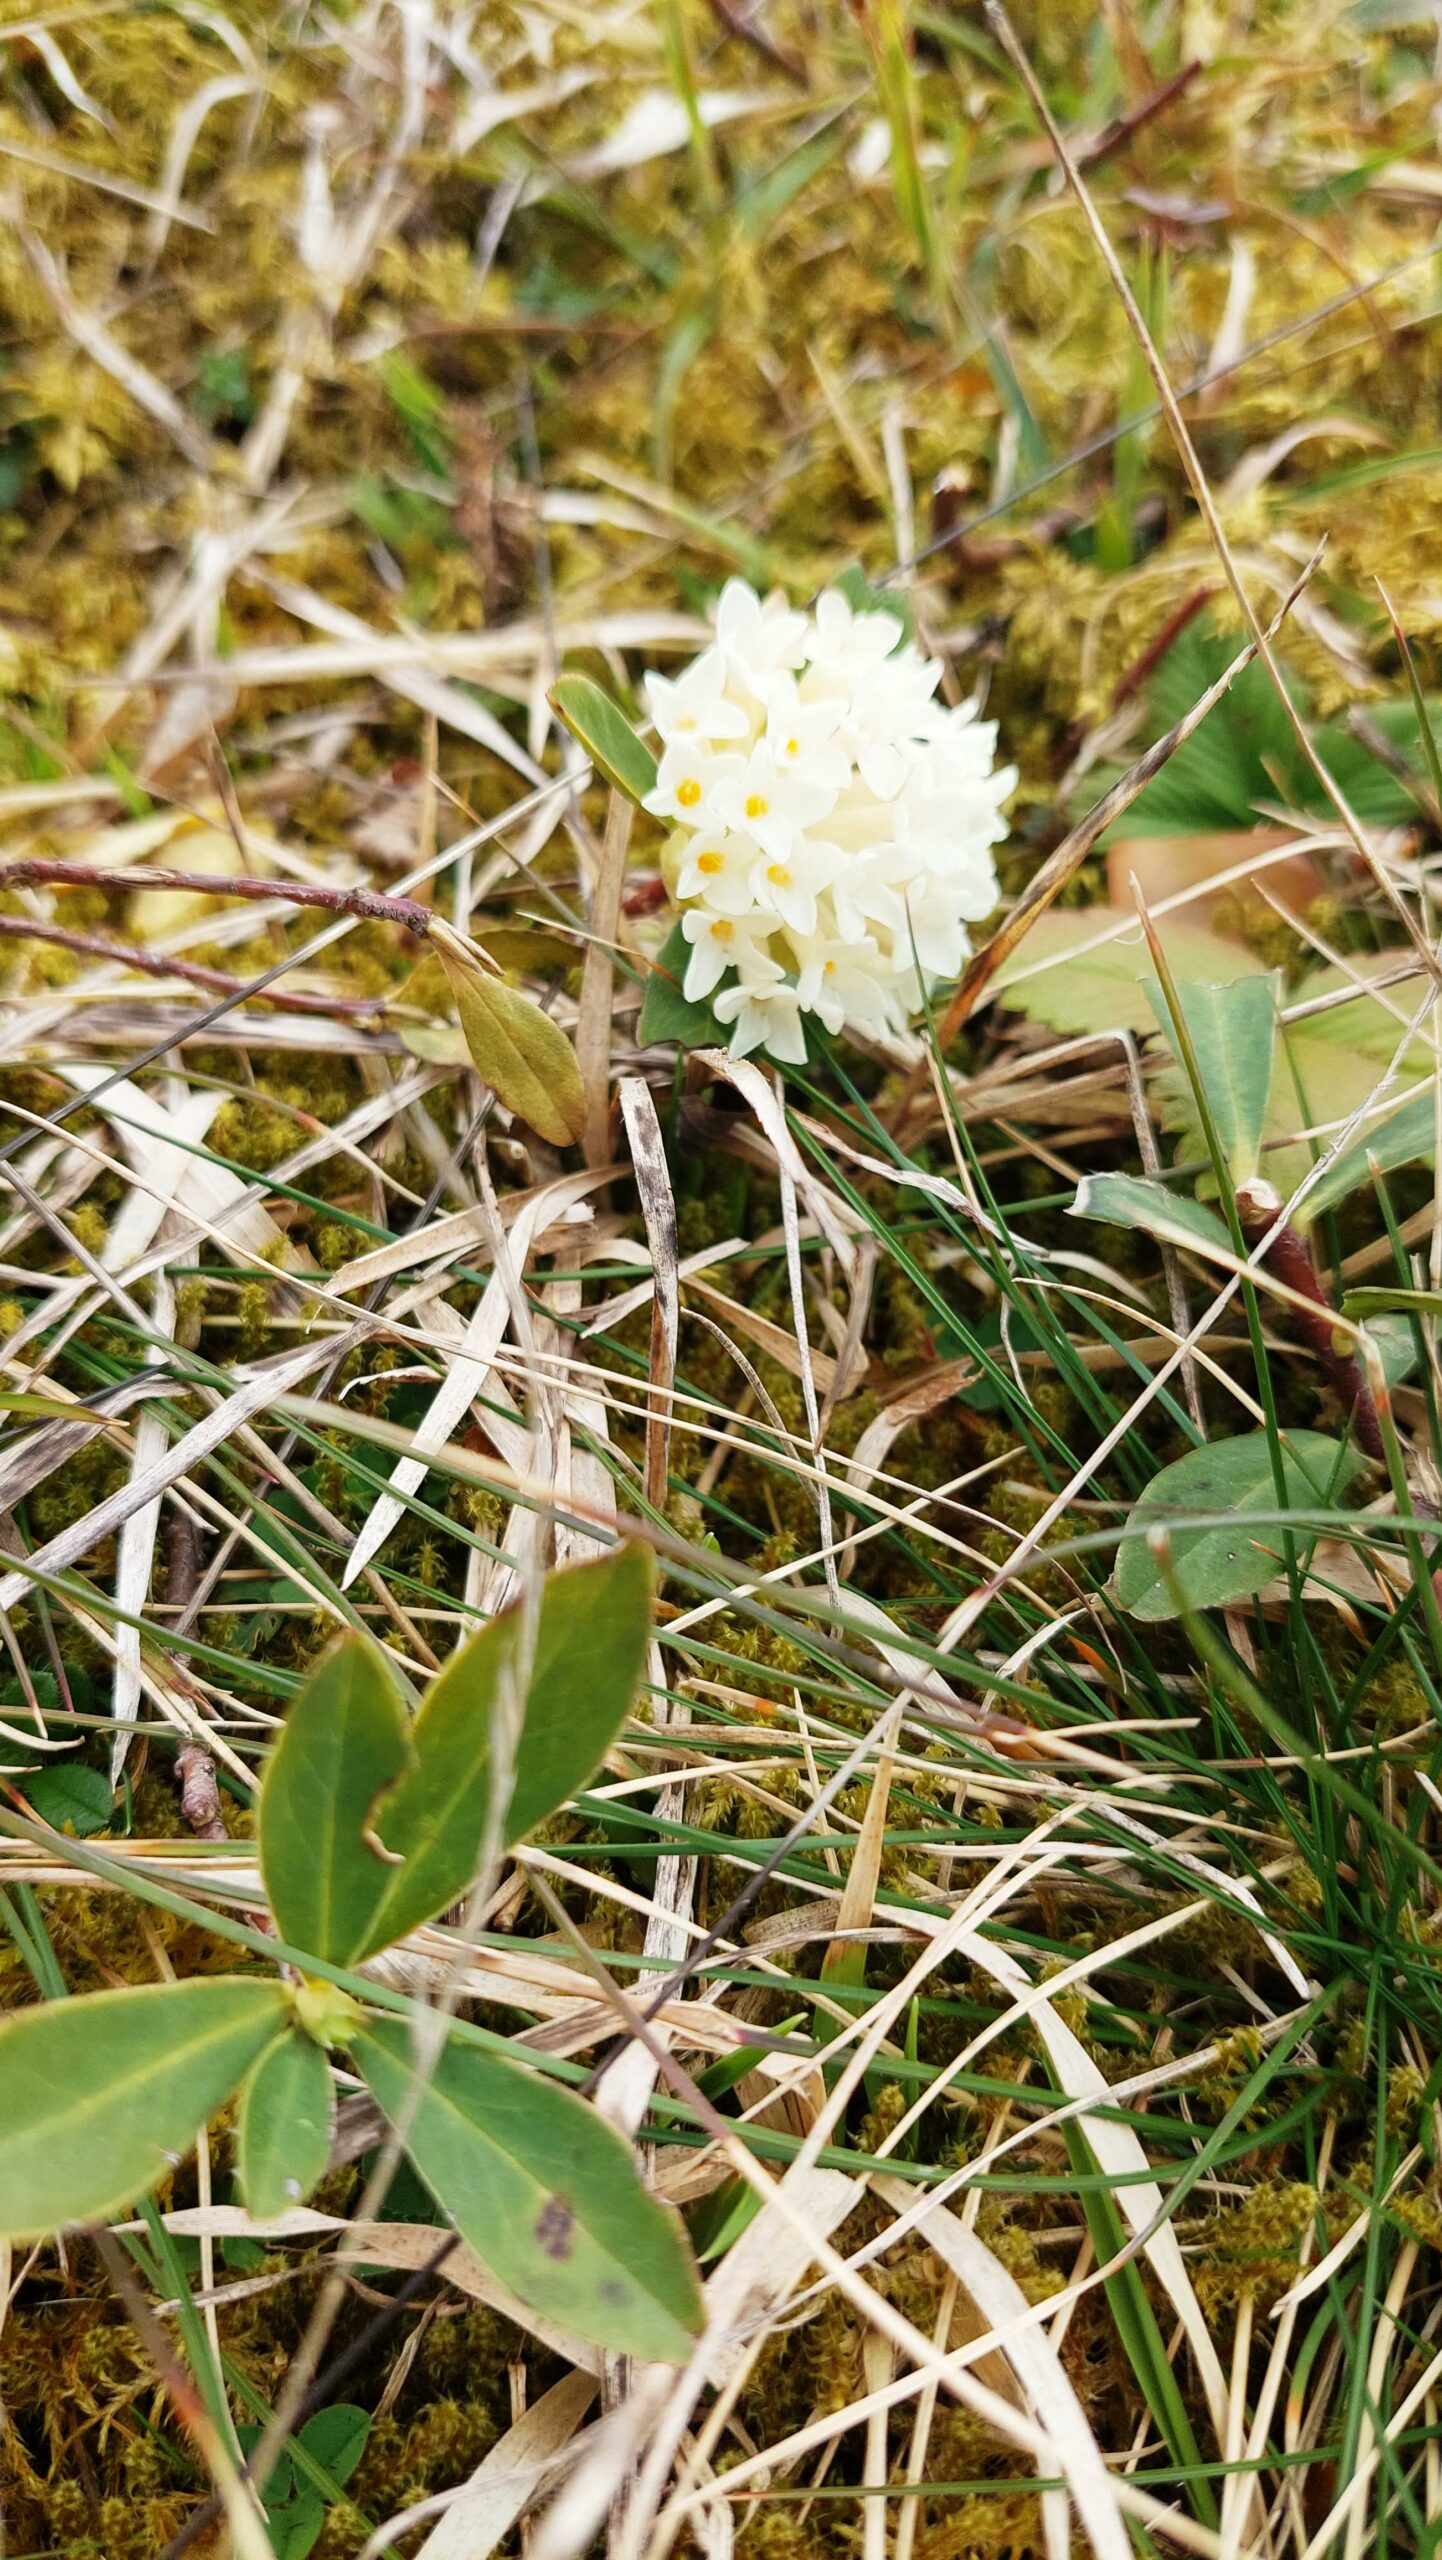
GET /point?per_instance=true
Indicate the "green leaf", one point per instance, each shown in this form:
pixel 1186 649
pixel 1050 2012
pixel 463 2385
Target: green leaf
pixel 1406 1136
pixel 1363 1304
pixel 70 1796
pixel 1328 1064
pixel 515 1048
pixel 667 1014
pixel 602 728
pixel 863 597
pixel 337 2437
pixel 1125 1200
pixel 295 2528
pixel 344 1742
pixel 284 2127
pixel 1233 1035
pixel 369 1826
pixel 1063 975
pixel 546 2193
pixel 589 1656
pixel 100 2096
pixel 1214 1567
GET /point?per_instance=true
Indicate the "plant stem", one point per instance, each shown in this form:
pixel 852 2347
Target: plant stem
pixel 1289 1255
pixel 369 904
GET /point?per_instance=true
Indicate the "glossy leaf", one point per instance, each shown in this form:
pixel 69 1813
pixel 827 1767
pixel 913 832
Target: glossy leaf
pixel 515 1048
pixel 283 2133
pixel 100 2096
pixel 1126 1200
pixel 1232 1030
pixel 369 1826
pixel 344 1742
pixel 602 728
pixel 589 1655
pixel 1213 1567
pixel 667 1014
pixel 546 2193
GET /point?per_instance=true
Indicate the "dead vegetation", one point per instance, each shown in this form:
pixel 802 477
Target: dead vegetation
pixel 1041 2005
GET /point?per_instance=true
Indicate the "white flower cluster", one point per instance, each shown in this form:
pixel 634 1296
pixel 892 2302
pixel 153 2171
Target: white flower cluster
pixel 833 821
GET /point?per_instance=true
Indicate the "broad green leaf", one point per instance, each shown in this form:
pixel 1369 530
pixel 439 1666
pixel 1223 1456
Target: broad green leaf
pixel 545 2192
pixel 370 1825
pixel 1126 1200
pixel 1214 1567
pixel 284 2127
pixel 589 1656
pixel 515 1048
pixel 602 728
pixel 1406 1136
pixel 1327 1066
pixel 100 2096
pixel 70 1796
pixel 1244 762
pixel 1233 1033
pixel 344 1742
pixel 1082 969
pixel 337 2437
pixel 667 1014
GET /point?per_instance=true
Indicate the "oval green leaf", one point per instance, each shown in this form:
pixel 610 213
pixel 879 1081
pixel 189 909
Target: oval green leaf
pixel 515 1048
pixel 602 728
pixel 100 2097
pixel 344 1742
pixel 1211 1568
pixel 546 2193
pixel 590 1651
pixel 287 2106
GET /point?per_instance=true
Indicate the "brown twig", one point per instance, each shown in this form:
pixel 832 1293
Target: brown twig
pixel 1289 1258
pixel 1092 154
pixel 155 964
pixel 368 904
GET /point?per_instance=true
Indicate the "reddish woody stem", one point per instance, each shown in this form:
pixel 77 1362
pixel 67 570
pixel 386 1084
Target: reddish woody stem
pixel 1289 1258
pixel 369 904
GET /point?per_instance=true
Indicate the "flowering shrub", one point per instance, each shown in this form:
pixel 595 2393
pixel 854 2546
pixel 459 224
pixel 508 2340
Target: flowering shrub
pixel 833 822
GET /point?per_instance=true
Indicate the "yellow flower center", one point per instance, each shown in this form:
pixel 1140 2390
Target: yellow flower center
pixel 710 862
pixel 829 969
pixel 687 722
pixel 792 747
pixel 778 872
pixel 722 929
pixel 757 805
pixel 688 792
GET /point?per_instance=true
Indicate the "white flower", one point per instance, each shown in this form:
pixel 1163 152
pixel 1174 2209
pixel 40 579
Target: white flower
pixel 801 736
pixel 687 780
pixel 718 869
pixel 846 982
pixel 766 1017
pixel 758 640
pixel 719 943
pixel 848 647
pixel 695 705
pixel 769 803
pixel 791 883
pixel 833 821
